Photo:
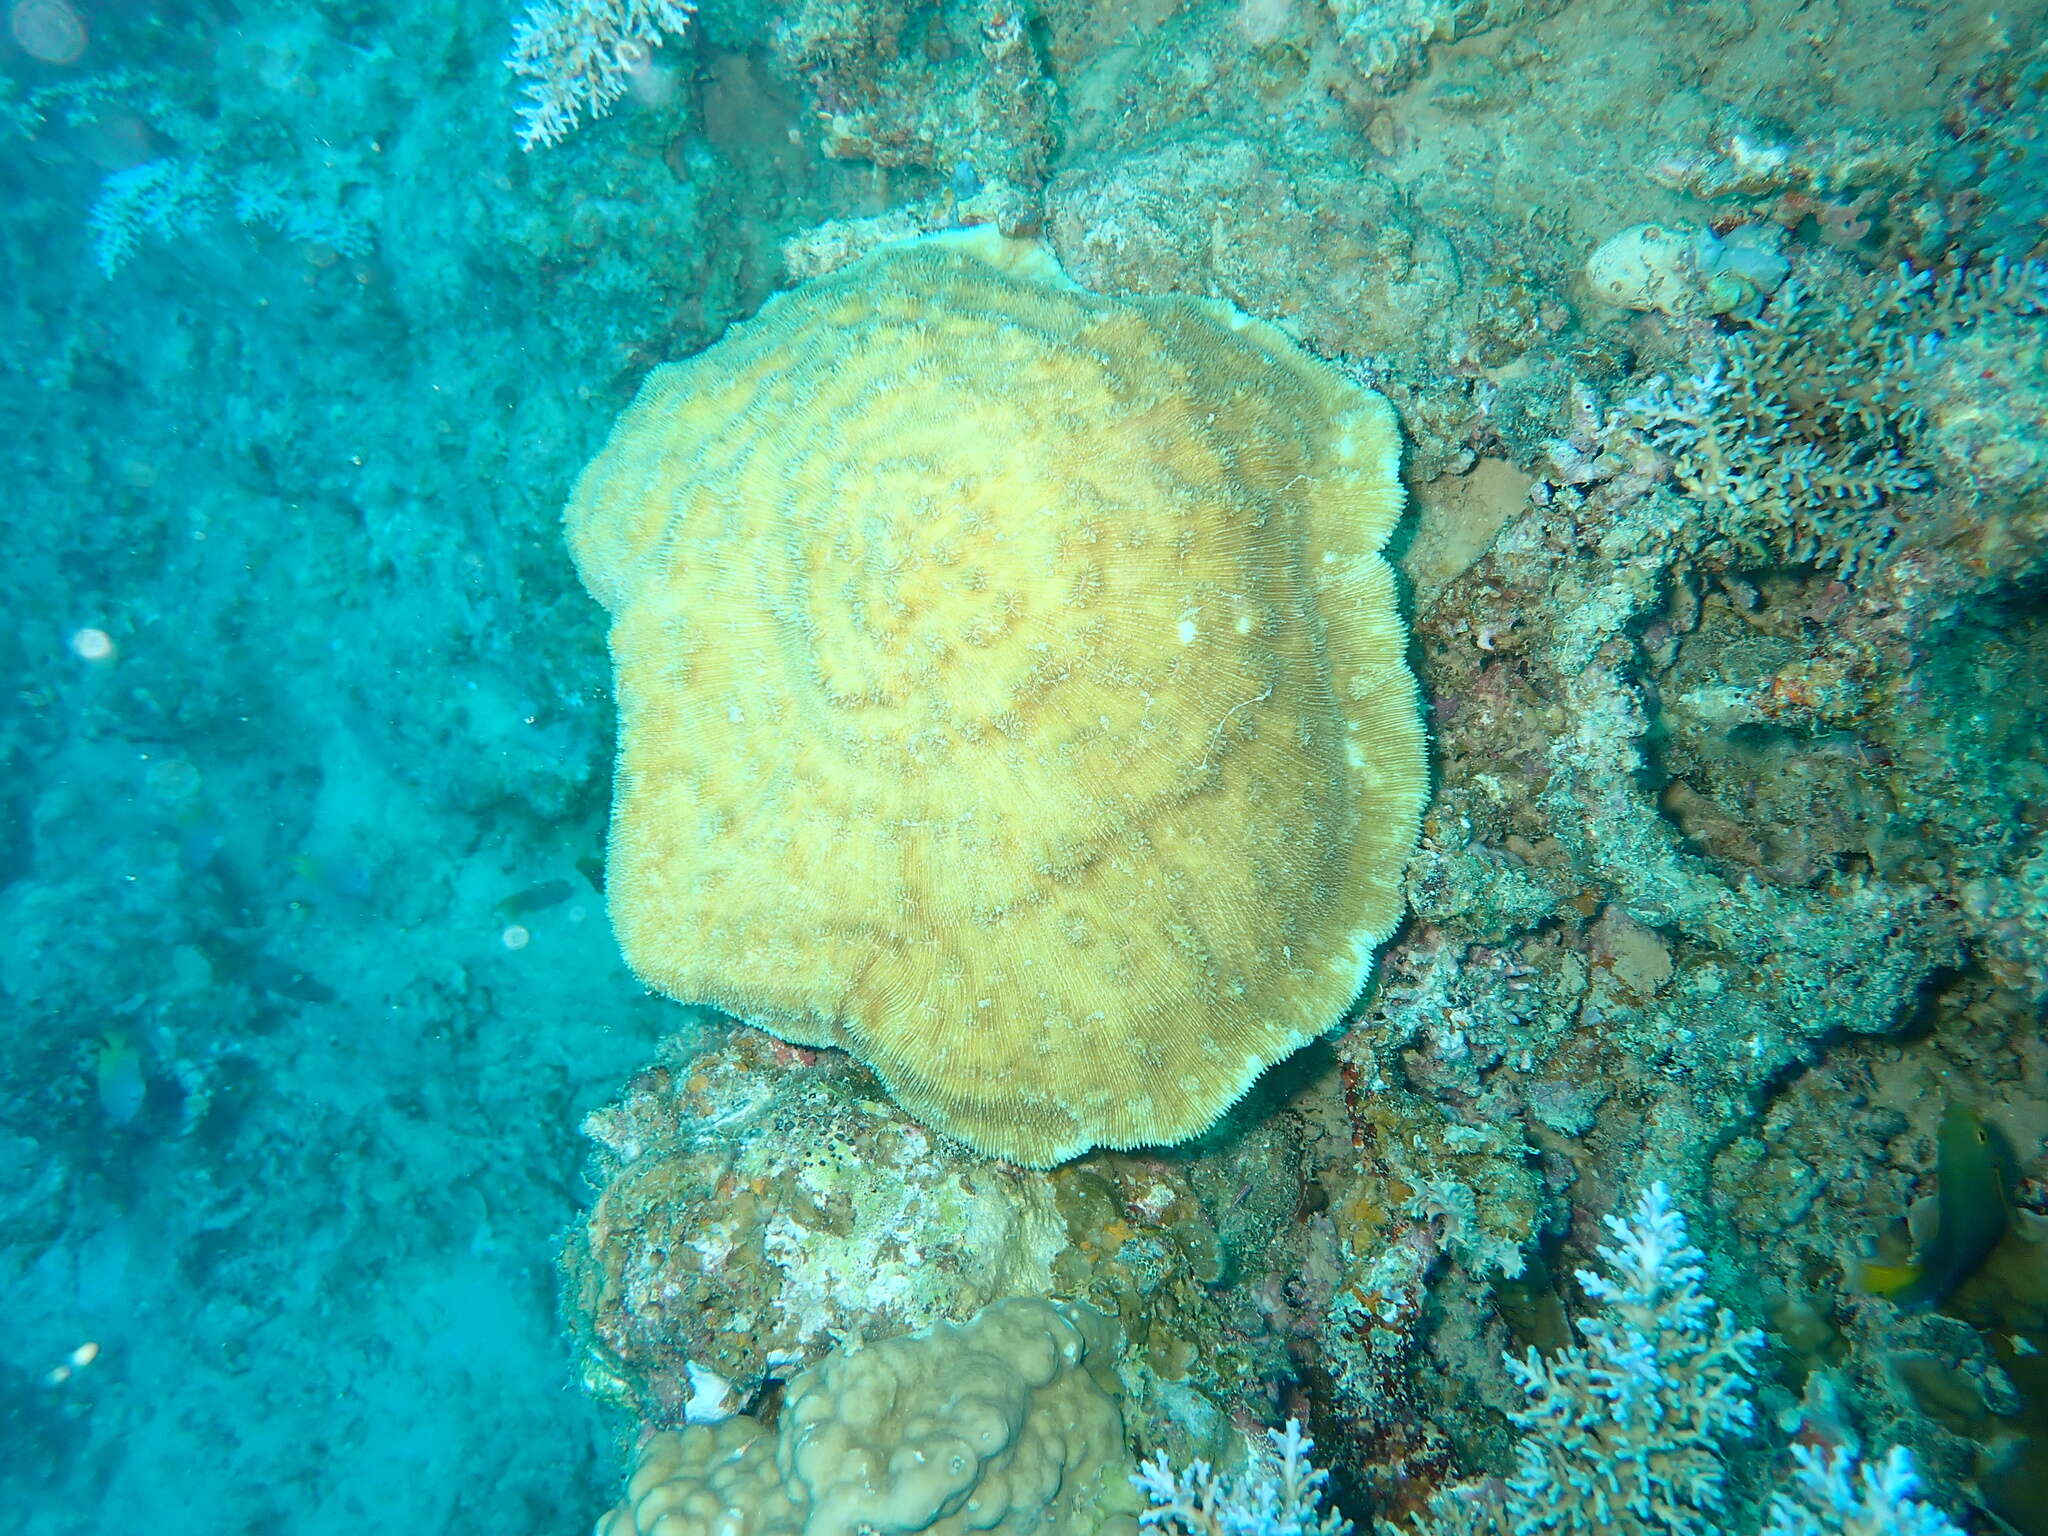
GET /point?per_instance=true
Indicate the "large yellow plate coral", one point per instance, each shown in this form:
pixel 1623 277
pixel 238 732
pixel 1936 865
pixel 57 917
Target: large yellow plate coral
pixel 1011 690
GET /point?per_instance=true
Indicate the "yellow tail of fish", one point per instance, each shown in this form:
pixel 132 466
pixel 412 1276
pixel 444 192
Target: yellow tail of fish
pixel 1883 1279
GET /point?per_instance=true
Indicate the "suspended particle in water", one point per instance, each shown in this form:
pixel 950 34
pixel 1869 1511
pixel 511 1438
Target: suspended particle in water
pixel 50 30
pixel 92 645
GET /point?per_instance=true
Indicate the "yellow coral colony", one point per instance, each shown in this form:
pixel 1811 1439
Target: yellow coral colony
pixel 1011 690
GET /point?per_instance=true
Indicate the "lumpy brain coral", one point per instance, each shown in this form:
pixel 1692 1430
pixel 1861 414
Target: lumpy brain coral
pixel 1011 690
pixel 1007 1425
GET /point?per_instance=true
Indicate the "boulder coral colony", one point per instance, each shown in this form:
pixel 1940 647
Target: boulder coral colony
pixel 1716 334
pixel 1011 691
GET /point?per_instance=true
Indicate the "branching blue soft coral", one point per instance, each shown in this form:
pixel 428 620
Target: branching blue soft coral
pixel 1281 1497
pixel 158 199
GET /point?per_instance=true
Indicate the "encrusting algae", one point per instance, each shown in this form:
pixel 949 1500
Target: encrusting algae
pixel 1011 690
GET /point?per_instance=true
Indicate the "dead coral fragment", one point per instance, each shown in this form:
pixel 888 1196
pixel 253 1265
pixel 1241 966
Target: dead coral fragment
pixel 1806 428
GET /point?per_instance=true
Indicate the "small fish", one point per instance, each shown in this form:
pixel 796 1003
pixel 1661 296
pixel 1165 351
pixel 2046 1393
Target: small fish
pixel 1974 1172
pixel 536 898
pixel 117 1065
pixel 274 976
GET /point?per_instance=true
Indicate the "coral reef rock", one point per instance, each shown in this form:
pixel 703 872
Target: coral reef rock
pixel 757 1210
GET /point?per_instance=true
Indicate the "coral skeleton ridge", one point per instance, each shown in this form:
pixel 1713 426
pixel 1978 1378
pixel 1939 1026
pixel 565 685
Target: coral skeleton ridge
pixel 1011 690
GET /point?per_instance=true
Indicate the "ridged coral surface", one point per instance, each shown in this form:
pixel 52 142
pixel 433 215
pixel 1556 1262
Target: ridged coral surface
pixel 1011 690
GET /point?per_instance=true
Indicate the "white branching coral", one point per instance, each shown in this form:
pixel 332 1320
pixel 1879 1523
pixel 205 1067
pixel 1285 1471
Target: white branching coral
pixel 1832 1496
pixel 156 200
pixel 1281 1496
pixel 579 56
pixel 1622 1433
